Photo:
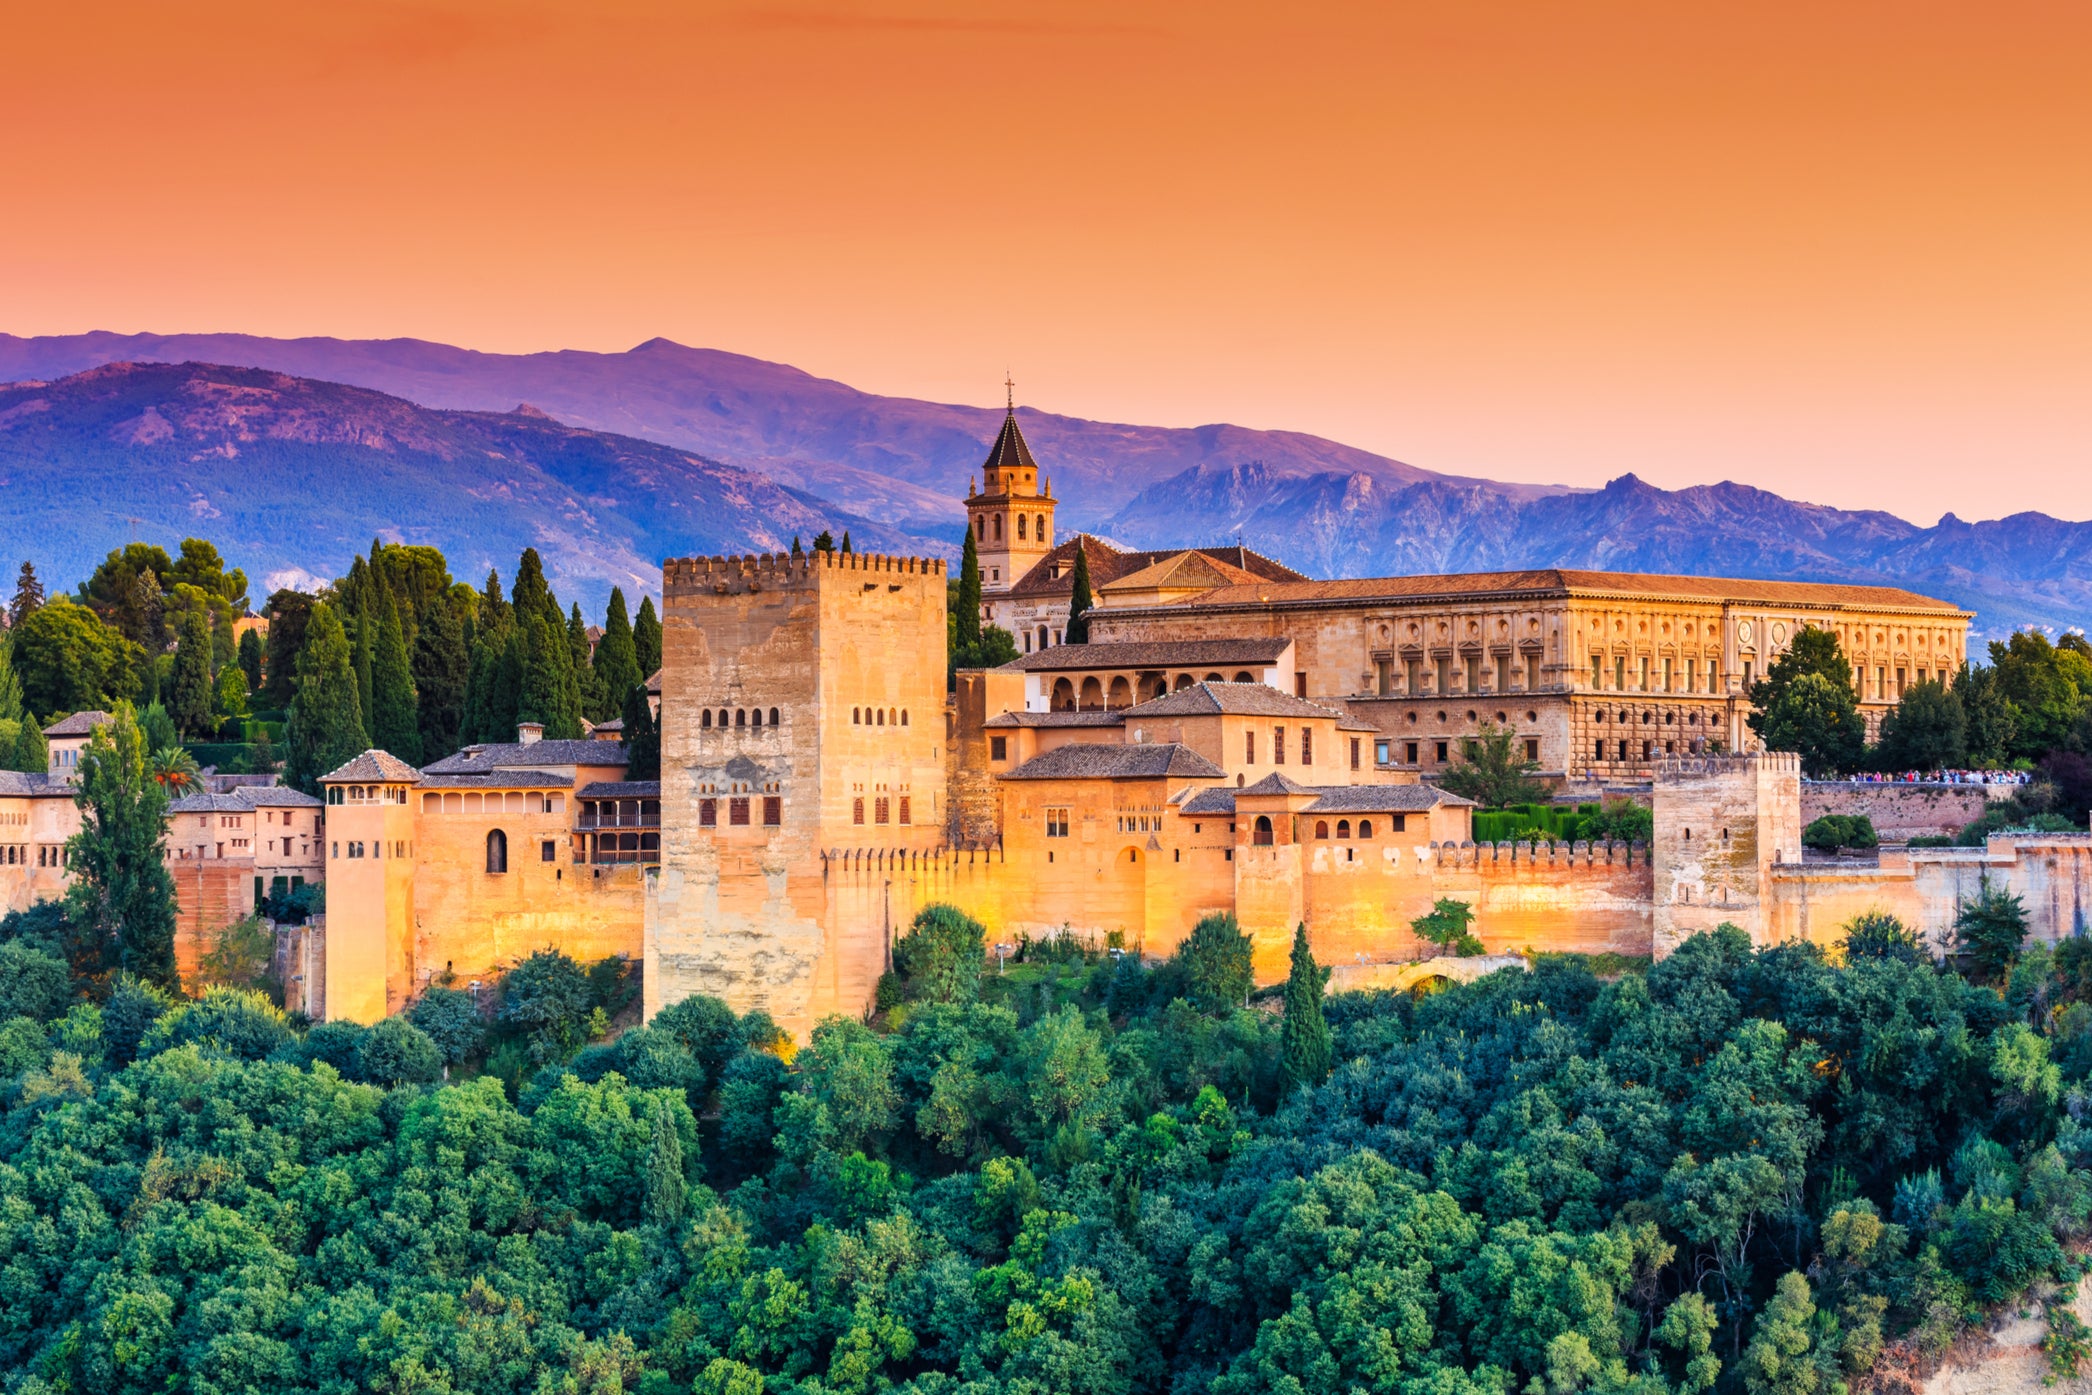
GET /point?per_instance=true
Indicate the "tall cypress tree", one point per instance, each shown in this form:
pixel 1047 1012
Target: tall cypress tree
pixel 646 638
pixel 32 754
pixel 967 636
pixel 10 683
pixel 363 636
pixel 846 539
pixel 665 1191
pixel 1304 1037
pixel 442 669
pixel 1079 601
pixel 395 722
pixel 251 659
pixel 642 738
pixel 190 701
pixel 594 705
pixel 326 718
pixel 121 901
pixel 617 659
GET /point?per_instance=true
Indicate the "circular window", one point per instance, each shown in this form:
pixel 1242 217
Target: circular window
pixel 1743 632
pixel 1502 718
pixel 1532 716
pixel 1412 719
pixel 1441 716
pixel 1470 714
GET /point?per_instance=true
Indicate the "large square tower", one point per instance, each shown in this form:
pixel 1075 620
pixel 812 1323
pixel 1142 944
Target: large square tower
pixel 802 706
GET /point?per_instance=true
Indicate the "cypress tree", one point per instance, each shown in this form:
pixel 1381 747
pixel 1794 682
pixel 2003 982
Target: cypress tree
pixel 442 670
pixel 646 639
pixel 326 719
pixel 190 702
pixel 362 638
pixel 505 685
pixel 617 658
pixel 1304 1038
pixel 642 739
pixel 968 615
pixel 10 682
pixel 224 647
pixel 395 722
pixel 846 539
pixel 29 595
pixel 1079 601
pixel 289 612
pixel 251 659
pixel 32 753
pixel 121 901
pixel 594 704
pixel 530 593
pixel 493 610
pixel 665 1191
pixel 797 550
pixel 824 541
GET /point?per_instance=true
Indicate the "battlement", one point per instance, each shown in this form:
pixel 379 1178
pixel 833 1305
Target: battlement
pixel 730 575
pixel 1561 856
pixel 1711 767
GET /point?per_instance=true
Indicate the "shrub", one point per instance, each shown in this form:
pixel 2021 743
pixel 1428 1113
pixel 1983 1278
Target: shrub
pixel 940 959
pixel 396 1052
pixel 1879 935
pixel 1215 958
pixel 548 997
pixel 1835 831
pixel 450 1018
pixel 33 983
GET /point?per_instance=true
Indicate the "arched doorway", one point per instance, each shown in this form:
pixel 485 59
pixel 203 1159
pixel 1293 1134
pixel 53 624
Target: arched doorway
pixel 1063 695
pixel 1260 833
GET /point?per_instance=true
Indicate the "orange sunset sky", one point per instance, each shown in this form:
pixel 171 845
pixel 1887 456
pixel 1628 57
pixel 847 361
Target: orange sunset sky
pixel 1842 251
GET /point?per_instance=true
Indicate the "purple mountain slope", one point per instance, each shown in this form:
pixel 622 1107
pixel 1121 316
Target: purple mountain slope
pixel 1325 507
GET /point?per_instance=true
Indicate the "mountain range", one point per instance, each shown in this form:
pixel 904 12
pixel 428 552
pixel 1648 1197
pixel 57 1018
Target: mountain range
pixel 609 461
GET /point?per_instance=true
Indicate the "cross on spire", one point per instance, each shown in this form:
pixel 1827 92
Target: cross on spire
pixel 1010 386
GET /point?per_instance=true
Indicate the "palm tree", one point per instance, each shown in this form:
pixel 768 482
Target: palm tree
pixel 176 770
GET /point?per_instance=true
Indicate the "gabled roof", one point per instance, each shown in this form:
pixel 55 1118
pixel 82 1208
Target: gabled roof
pixel 1277 783
pixel 1096 761
pixel 1186 571
pixel 36 785
pixel 1236 699
pixel 1554 581
pixel 1254 652
pixel 500 780
pixel 621 789
pixel 79 724
pixel 1385 799
pixel 245 799
pixel 1058 719
pixel 531 755
pixel 653 683
pixel 1210 801
pixel 378 767
pixel 1054 574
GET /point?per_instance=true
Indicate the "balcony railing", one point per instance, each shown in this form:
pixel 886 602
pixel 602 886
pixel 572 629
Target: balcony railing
pixel 618 821
pixel 604 858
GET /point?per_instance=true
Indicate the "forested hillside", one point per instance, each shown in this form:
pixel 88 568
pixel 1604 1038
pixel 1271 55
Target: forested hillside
pixel 1738 1171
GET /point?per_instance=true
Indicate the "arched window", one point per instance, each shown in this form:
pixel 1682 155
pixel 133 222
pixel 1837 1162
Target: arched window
pixel 1039 531
pixel 1020 527
pixel 1184 680
pixel 773 716
pixel 1092 695
pixel 1042 636
pixel 1063 695
pixel 705 720
pixel 1133 854
pixel 1322 828
pixel 740 716
pixel 893 716
pixel 998 527
pixel 1213 678
pixel 497 851
pixel 725 718
pixel 854 715
pixel 1121 693
pixel 1261 834
pixel 904 716
pixel 1245 678
pixel 1365 828
pixel 980 529
pixel 882 717
pixel 1343 828
pixel 758 718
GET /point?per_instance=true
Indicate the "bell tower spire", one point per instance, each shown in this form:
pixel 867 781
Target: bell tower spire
pixel 1012 515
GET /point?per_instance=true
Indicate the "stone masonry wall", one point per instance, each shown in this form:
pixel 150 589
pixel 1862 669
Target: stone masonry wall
pixel 1899 812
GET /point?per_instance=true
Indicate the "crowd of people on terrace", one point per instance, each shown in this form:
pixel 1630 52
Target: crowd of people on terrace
pixel 1936 777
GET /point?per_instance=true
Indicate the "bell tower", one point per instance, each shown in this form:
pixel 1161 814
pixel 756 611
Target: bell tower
pixel 1012 513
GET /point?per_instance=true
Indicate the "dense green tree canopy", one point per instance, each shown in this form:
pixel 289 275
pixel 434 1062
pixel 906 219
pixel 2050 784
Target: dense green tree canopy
pixel 69 661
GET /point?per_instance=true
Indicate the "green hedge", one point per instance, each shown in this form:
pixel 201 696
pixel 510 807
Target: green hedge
pixel 1532 823
pixel 223 754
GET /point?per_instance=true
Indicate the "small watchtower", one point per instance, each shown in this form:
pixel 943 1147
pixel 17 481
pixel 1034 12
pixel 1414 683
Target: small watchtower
pixel 1012 513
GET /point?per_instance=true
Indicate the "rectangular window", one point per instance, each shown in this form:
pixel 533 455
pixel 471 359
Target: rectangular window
pixel 1444 675
pixel 1307 745
pixel 1692 676
pixel 1354 752
pixel 1399 822
pixel 1441 753
pixel 1899 685
pixel 1409 752
pixel 1383 677
pixel 1249 747
pixel 1278 745
pixel 1532 673
pixel 1645 675
pixel 1300 685
pixel 1598 670
pixel 1056 823
pixel 1623 750
pixel 1747 667
pixel 904 810
pixel 1667 675
pixel 1532 748
pixel 882 811
pixel 1474 674
pixel 857 810
pixel 737 812
pixel 1620 673
pixel 998 748
pixel 708 813
pixel 1413 674
pixel 1503 673
pixel 773 811
pixel 548 851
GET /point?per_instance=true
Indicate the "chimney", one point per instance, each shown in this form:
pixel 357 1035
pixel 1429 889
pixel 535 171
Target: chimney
pixel 529 733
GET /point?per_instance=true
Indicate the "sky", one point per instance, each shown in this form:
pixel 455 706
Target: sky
pixel 1842 252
